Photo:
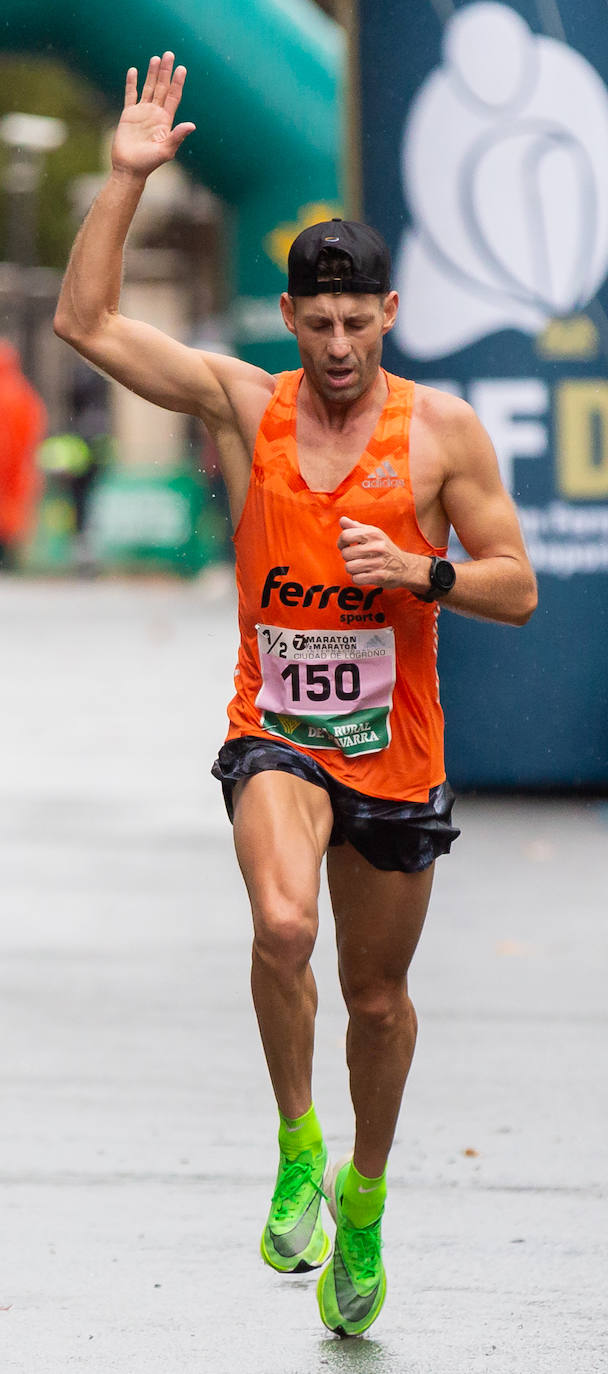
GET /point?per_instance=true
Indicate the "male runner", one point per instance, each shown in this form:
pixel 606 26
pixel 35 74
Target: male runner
pixel 342 483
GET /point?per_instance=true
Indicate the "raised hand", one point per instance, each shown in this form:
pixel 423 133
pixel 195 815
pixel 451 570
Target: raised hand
pixel 145 137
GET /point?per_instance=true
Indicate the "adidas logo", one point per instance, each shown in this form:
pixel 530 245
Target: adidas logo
pixel 383 476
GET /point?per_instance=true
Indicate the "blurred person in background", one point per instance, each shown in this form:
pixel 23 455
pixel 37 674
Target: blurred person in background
pixel 341 528
pixel 22 427
pixel 74 460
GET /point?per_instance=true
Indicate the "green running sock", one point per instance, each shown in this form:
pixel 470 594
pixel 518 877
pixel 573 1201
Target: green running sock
pixel 303 1133
pixel 363 1198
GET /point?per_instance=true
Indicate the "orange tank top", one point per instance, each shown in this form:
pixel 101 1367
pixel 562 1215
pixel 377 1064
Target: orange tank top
pixel 346 674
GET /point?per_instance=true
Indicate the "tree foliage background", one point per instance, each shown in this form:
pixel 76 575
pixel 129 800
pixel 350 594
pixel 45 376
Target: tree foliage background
pixel 32 85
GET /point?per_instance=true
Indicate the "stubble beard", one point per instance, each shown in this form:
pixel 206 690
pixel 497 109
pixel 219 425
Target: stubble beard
pixel 363 380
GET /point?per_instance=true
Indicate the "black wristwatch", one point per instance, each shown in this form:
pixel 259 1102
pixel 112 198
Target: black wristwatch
pixel 442 576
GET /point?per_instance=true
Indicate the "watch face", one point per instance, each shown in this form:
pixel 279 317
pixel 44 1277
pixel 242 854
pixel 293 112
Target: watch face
pixel 443 575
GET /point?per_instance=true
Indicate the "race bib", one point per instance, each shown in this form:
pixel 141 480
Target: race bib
pixel 327 689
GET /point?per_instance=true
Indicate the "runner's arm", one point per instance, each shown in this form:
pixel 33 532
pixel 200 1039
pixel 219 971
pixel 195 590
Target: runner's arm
pixel 144 359
pixel 498 582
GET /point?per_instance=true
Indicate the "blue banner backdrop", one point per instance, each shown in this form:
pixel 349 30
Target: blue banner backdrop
pixel 485 138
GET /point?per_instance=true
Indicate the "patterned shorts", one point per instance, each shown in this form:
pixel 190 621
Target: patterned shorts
pixel 395 836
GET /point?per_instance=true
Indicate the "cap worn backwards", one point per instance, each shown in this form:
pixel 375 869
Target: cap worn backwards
pixel 363 246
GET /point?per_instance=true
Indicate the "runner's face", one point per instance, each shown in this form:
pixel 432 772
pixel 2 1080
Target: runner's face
pixel 340 340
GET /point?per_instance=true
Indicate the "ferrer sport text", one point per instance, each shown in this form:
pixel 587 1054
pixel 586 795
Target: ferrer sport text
pixel 354 601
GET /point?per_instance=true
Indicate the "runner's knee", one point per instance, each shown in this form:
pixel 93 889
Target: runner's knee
pixel 285 931
pixel 380 1008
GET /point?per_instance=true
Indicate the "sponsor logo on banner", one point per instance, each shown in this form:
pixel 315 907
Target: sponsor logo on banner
pixel 504 173
pixel 503 164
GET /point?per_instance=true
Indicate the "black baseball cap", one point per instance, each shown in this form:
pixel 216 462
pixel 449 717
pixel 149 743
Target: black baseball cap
pixel 369 256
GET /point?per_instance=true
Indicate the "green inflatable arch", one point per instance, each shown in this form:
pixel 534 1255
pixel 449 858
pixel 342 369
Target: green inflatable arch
pixel 264 89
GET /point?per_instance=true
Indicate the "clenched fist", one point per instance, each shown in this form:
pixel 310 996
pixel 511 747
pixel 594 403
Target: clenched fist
pixel 370 557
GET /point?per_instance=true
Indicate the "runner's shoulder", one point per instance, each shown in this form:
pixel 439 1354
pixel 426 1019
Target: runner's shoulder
pixel 442 409
pixel 462 440
pixel 449 421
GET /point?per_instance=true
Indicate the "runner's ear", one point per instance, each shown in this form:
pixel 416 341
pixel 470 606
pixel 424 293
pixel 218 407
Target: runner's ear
pixel 288 311
pixel 390 307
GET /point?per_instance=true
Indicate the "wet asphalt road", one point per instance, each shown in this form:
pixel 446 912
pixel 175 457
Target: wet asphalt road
pixel 131 1071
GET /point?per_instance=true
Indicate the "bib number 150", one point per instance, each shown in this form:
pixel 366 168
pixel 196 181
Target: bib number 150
pixel 314 681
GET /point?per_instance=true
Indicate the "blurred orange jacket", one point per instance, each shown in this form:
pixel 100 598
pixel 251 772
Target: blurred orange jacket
pixel 22 427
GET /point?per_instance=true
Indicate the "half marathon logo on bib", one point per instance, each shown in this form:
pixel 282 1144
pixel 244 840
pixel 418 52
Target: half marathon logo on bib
pixel 327 689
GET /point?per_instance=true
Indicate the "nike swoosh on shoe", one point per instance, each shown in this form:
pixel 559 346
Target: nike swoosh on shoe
pixel 353 1306
pixel 289 1243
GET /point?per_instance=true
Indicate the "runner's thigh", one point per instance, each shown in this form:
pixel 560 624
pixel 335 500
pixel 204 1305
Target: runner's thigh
pixel 379 916
pixel 282 826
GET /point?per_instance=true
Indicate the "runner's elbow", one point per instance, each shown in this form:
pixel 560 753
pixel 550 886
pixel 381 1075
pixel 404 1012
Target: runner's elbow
pixel 528 603
pixel 62 324
pixel 68 327
pixel 86 337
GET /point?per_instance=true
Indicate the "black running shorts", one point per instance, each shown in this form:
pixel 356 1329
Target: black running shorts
pixel 395 836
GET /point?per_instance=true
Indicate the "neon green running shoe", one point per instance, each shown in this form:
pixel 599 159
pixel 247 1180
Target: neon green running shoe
pixel 294 1240
pixel 351 1290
